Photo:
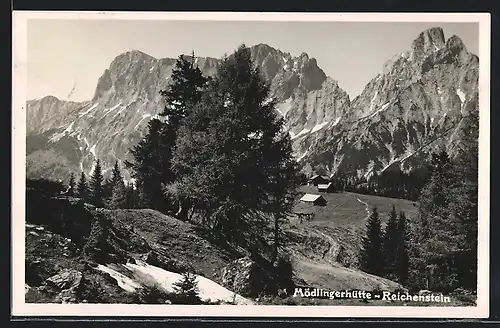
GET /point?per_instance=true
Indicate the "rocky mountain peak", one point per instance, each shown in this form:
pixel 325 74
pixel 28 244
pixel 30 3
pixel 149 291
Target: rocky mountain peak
pixel 427 42
pixel 454 43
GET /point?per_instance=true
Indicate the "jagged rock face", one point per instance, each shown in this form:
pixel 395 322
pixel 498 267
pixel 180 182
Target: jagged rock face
pixel 127 97
pixel 415 105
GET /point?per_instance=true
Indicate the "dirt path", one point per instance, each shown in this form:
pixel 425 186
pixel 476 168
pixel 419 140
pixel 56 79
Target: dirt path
pixel 367 208
pixel 333 247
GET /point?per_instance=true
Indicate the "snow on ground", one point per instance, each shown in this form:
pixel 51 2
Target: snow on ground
pixel 88 110
pixel 318 127
pixel 461 95
pixel 301 133
pixel 123 281
pixel 209 290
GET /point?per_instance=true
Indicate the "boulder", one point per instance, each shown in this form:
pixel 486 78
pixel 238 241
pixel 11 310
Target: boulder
pixel 245 277
pixel 66 279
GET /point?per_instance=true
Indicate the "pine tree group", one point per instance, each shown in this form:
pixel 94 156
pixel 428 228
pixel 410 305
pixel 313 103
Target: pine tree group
pixel 385 253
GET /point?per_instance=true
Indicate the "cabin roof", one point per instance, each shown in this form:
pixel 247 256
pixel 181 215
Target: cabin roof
pixel 324 186
pixel 310 197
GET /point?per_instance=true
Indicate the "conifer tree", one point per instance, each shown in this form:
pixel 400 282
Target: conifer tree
pixel 71 185
pixel 119 190
pixel 116 174
pixel 390 243
pixel 152 156
pixel 132 197
pixel 119 195
pixel 96 184
pixel 82 188
pixel 231 151
pixel 186 289
pixel 401 261
pixel 371 254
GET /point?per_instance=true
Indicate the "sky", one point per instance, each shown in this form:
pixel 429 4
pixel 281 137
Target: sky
pixel 72 54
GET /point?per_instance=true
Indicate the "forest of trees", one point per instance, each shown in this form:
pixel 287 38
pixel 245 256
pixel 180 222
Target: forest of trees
pixel 442 239
pixel 392 182
pixel 385 252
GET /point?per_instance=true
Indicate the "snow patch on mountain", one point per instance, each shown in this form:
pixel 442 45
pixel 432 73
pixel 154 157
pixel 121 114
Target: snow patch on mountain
pixel 302 156
pixel 318 127
pixel 461 95
pixel 372 102
pixel 121 110
pixel 301 133
pixel 381 109
pixel 208 289
pixel 88 110
pixel 122 280
pixel 56 137
pixel 92 150
pixel 140 121
pixel 112 108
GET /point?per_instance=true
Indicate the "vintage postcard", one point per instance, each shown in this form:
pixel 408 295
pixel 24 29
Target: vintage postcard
pixel 251 164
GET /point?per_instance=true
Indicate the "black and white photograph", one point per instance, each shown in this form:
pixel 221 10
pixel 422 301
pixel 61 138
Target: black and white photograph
pixel 232 164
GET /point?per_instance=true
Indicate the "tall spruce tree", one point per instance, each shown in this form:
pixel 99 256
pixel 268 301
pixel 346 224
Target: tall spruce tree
pixel 71 185
pixel 152 156
pixel 119 195
pixel 116 174
pixel 390 243
pixel 96 184
pixel 119 190
pixel 371 254
pixel 232 155
pixel 401 260
pixel 82 188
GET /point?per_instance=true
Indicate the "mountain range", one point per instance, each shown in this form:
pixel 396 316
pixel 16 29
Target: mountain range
pixel 415 105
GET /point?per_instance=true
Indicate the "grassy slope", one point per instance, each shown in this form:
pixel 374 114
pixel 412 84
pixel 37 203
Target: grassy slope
pixel 338 228
pixel 314 244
